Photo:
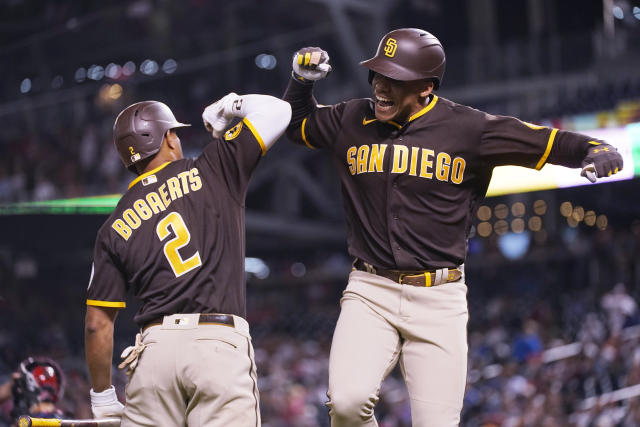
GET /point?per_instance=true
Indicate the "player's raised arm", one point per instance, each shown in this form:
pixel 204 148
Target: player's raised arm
pixel 310 64
pixel 268 115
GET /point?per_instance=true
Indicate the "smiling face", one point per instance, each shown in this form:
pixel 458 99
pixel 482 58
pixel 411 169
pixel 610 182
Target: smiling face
pixel 398 100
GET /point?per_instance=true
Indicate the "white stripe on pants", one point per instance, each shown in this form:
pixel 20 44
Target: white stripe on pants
pixel 382 322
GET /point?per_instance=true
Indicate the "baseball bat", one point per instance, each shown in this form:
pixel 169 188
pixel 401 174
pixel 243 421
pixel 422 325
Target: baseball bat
pixel 27 421
pixel 589 171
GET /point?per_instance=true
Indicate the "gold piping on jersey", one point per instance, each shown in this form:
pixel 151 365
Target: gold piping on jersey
pixel 425 110
pixel 366 122
pixel 532 126
pixel 97 303
pixel 594 143
pixel 146 174
pixel 255 133
pixel 304 136
pixel 543 159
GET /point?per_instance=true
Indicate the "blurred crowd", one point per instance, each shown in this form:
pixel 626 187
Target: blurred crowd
pixel 544 350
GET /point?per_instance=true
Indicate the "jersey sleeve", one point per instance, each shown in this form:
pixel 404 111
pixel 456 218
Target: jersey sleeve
pixel 509 141
pixel 319 129
pixel 107 285
pixel 312 124
pixel 235 155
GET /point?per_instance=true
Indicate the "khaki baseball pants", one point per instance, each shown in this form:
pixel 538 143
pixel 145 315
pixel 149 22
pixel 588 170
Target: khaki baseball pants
pixel 194 375
pixel 382 322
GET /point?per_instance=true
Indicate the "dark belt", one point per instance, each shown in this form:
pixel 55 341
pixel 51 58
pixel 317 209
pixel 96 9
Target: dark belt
pixel 413 278
pixel 205 319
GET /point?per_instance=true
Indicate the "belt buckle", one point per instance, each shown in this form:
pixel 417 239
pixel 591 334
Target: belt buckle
pixel 400 277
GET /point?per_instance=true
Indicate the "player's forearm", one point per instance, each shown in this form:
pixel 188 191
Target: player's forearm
pixel 99 324
pixel 300 96
pixel 569 148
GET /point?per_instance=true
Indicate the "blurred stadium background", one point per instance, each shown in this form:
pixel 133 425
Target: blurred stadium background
pixel 553 269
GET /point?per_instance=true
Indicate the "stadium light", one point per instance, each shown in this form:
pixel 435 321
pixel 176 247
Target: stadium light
pixel 25 86
pixel 113 71
pixel 618 13
pixel 169 66
pixel 128 68
pixel 81 74
pixel 149 67
pixel 266 61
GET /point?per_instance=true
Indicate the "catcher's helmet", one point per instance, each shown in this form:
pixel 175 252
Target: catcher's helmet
pixel 43 380
pixel 408 54
pixel 139 130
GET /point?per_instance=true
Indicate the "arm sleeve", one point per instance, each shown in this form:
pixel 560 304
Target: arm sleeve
pixel 107 285
pixel 266 116
pixel 311 124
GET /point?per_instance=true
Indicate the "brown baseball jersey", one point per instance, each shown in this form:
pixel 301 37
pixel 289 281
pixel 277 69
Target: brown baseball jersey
pixel 411 190
pixel 177 236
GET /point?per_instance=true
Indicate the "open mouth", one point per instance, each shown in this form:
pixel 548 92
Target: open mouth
pixel 383 102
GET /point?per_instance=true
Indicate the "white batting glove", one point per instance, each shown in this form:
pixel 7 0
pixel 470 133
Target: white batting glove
pixel 310 64
pixel 106 404
pixel 218 116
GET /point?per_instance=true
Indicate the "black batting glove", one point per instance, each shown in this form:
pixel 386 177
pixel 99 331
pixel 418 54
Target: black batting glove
pixel 603 159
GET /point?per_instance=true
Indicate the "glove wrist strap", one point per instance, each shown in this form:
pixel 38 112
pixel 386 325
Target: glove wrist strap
pixel 105 397
pixel 297 77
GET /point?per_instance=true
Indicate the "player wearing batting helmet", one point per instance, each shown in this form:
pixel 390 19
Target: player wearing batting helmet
pixel 176 240
pixel 37 387
pixel 414 168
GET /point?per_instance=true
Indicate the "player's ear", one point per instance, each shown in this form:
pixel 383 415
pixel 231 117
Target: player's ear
pixel 426 88
pixel 171 139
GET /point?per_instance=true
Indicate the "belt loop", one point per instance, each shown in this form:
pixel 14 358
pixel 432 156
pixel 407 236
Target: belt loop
pixel 400 277
pixel 427 279
pixel 442 275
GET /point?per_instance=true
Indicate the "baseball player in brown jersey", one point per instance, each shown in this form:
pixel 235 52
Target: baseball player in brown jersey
pixel 414 168
pixel 177 240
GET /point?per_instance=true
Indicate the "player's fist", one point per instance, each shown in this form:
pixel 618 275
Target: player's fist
pixel 105 404
pixel 601 161
pixel 217 116
pixel 310 64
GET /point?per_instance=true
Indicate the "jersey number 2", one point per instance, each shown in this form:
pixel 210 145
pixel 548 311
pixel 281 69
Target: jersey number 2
pixel 174 222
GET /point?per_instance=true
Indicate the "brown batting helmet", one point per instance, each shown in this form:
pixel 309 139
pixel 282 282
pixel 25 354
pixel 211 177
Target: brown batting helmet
pixel 139 130
pixel 408 54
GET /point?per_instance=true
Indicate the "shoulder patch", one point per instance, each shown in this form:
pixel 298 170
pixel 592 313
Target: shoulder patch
pixel 233 132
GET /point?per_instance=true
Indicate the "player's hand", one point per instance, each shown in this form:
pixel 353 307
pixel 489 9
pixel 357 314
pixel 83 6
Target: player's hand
pixel 106 404
pixel 602 160
pixel 310 64
pixel 218 116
